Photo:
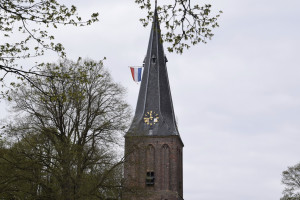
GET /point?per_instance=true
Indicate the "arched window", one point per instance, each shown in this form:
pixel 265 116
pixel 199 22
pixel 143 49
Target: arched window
pixel 135 163
pixel 150 165
pixel 165 167
pixel 150 157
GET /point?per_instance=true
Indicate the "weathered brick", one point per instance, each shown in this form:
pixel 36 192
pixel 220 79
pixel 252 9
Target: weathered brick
pixel 167 170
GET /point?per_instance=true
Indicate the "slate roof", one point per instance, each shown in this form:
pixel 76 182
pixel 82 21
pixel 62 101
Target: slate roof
pixel 155 94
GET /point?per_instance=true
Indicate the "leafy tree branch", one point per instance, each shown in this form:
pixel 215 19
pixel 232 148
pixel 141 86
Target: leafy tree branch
pixel 30 20
pixel 186 23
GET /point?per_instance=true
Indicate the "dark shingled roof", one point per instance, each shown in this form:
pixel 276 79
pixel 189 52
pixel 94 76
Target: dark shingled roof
pixel 155 94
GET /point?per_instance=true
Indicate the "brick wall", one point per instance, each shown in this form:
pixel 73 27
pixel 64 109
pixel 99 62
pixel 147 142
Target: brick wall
pixel 159 154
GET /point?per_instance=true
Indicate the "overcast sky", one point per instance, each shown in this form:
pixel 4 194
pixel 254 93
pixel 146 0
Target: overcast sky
pixel 237 98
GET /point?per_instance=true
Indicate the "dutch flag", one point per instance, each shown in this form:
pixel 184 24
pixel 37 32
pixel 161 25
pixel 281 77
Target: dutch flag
pixel 136 73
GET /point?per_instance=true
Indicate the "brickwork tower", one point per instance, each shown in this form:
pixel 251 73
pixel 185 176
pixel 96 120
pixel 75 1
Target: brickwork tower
pixel 153 147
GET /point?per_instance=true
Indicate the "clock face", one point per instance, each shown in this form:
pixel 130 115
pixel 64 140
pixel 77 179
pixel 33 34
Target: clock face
pixel 151 118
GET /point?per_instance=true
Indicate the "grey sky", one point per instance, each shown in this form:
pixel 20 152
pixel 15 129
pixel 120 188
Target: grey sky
pixel 237 98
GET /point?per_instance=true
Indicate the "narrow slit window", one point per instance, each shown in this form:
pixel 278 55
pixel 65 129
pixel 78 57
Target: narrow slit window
pixel 153 59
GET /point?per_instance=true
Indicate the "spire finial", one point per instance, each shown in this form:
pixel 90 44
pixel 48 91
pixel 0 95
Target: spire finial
pixel 155 4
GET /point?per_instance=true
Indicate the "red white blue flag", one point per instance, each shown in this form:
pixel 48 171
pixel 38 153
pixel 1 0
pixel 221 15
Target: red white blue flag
pixel 136 73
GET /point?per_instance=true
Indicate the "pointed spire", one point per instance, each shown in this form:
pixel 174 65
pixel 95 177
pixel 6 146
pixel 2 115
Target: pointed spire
pixel 154 113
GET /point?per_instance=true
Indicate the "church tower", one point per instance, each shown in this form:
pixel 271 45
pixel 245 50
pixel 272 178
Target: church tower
pixel 153 147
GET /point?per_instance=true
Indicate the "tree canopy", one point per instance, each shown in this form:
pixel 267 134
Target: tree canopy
pixel 64 136
pixel 291 180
